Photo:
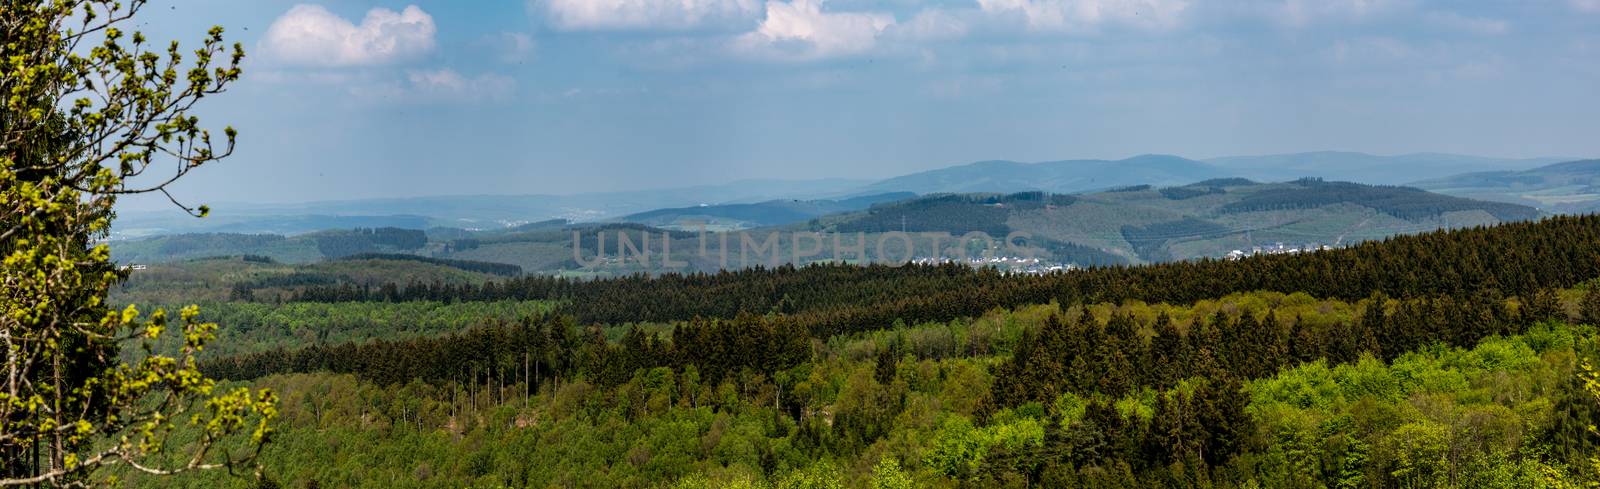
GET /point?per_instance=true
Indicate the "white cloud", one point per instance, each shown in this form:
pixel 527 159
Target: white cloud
pixel 932 25
pixel 1481 26
pixel 311 35
pixel 448 83
pixel 643 14
pixel 800 30
pixel 1086 15
pixel 1591 6
pixel 1301 12
pixel 440 85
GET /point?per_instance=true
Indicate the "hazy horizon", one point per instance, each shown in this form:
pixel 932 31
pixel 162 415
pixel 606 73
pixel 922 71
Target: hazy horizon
pixel 380 99
pixel 146 203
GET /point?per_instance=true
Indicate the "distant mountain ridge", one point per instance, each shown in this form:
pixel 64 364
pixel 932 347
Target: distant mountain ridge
pixel 1367 168
pixel 1568 187
pixel 1065 176
pixel 464 211
pixel 768 213
pixel 1204 219
pixel 769 202
pixel 1134 224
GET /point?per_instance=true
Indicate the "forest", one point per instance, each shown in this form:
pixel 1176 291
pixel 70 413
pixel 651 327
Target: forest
pixel 1449 359
pixel 435 304
pixel 1012 398
pixel 1509 259
pixel 1402 202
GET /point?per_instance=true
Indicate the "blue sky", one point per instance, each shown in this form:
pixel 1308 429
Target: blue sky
pixel 354 99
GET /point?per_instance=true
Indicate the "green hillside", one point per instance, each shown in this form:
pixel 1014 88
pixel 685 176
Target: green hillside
pixel 293 249
pixel 1205 219
pixel 256 277
pixel 1130 225
pixel 1570 187
pixel 1050 176
pixel 1367 168
pixel 1382 365
pixel 769 213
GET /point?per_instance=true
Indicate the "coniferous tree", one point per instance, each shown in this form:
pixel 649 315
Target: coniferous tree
pixel 1205 343
pixel 1574 413
pixel 1114 357
pixel 884 368
pixel 1176 432
pixel 1306 343
pixel 1220 406
pixel 1542 305
pixel 1589 308
pixel 1168 354
pixel 1375 322
pixel 1085 341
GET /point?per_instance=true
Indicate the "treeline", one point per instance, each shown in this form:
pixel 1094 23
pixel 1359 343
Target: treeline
pixel 255 326
pixel 1109 356
pixel 1068 252
pixel 1401 202
pixel 1190 191
pixel 1512 259
pixel 957 214
pixel 337 244
pixel 1150 241
pixel 1506 413
pixel 187 243
pixel 1116 359
pixel 539 349
pixel 492 268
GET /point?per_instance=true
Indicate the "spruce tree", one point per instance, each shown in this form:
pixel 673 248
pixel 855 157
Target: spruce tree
pixel 1589 309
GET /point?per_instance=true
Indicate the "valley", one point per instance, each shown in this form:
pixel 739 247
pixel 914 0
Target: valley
pixel 799 244
pixel 1132 225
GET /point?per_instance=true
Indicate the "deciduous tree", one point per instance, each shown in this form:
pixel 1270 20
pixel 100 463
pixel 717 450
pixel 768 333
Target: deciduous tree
pixel 93 112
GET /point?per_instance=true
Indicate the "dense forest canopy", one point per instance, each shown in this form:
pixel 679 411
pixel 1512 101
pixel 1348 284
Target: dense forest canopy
pixel 1510 259
pixel 1449 359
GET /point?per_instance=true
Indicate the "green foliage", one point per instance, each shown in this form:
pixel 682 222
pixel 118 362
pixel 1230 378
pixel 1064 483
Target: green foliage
pixel 88 108
pixel 339 244
pixel 835 298
pixel 888 475
pixel 1402 202
pixel 255 327
pixel 1366 423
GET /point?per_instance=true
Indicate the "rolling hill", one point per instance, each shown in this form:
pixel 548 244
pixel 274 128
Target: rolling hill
pixel 1127 225
pixel 759 214
pixel 1366 168
pixel 485 212
pixel 755 203
pixel 1206 219
pixel 1068 176
pixel 1569 187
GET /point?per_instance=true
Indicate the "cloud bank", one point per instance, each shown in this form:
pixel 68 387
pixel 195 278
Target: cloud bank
pixel 643 14
pixel 311 35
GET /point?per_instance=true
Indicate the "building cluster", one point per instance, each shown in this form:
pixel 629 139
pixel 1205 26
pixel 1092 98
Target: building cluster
pixel 1010 264
pixel 1276 249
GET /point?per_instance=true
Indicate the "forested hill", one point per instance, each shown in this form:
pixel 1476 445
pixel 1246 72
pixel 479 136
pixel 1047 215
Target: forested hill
pixel 1142 224
pixel 1444 359
pixel 1127 225
pixel 1067 176
pixel 1362 366
pixel 758 214
pixel 1510 259
pixel 1569 187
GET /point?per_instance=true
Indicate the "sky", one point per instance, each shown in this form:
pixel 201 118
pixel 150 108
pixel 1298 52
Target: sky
pixel 348 99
